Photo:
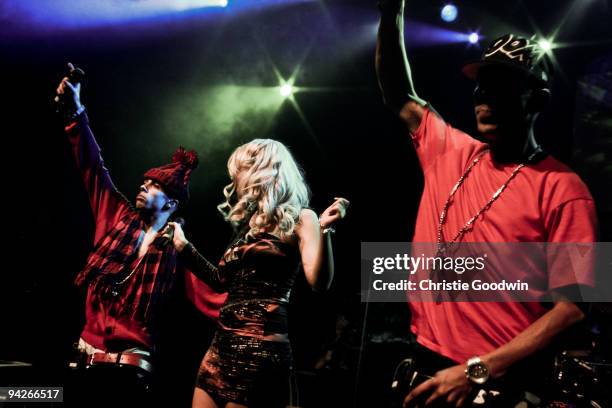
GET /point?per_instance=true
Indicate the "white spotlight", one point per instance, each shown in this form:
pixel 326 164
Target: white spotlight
pixel 545 45
pixel 286 90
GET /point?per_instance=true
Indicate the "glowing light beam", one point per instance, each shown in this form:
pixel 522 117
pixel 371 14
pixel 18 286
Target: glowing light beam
pixel 420 34
pixel 94 13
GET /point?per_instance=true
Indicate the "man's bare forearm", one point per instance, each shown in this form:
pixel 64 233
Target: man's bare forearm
pixel 392 68
pixel 535 337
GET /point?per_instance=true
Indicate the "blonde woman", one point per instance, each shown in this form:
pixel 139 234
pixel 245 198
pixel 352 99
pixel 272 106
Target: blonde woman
pixel 267 201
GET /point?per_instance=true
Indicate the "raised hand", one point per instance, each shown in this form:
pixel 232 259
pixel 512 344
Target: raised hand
pixel 334 212
pixel 69 92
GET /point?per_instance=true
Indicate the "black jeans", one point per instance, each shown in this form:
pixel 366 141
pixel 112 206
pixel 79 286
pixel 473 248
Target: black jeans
pixel 512 386
pixel 108 385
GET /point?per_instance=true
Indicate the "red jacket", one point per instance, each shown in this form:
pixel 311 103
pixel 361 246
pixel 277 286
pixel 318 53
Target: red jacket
pixel 125 318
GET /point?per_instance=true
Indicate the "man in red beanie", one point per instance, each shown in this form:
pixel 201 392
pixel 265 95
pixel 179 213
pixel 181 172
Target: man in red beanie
pixel 503 190
pixel 131 271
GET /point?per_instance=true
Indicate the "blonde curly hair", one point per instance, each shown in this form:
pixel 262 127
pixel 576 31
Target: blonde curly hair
pixel 270 191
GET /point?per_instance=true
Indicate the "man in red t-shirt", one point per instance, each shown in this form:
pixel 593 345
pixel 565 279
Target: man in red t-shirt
pixel 506 190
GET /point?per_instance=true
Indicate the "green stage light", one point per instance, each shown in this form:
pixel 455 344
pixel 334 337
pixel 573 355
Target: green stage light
pixel 545 45
pixel 286 90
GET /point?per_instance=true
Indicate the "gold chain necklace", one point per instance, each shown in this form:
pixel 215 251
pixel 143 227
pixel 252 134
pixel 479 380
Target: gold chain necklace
pixel 443 247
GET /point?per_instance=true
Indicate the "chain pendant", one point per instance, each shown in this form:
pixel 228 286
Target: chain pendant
pixel 488 204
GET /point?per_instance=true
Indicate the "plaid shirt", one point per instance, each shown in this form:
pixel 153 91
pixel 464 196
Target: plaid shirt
pixel 124 292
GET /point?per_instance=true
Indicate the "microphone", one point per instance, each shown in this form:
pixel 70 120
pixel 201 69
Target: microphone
pixel 168 236
pixel 75 76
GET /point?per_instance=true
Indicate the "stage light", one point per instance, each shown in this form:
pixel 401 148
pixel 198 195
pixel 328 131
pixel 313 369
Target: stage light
pixel 182 5
pixel 449 13
pixel 473 38
pixel 66 13
pixel 286 90
pixel 545 45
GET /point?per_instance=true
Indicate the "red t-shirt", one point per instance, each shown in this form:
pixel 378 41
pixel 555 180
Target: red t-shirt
pixel 545 202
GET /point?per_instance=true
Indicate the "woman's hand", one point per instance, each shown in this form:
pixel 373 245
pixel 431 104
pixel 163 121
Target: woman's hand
pixel 334 212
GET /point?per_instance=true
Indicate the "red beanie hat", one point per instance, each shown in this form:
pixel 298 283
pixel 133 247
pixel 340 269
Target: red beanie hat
pixel 174 177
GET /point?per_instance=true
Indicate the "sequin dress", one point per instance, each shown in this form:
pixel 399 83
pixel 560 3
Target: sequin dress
pixel 249 359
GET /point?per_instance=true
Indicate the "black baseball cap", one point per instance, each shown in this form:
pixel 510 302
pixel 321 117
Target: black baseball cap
pixel 513 52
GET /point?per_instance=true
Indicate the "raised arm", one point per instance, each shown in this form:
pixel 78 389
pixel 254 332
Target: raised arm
pixel 392 68
pixel 107 203
pixel 315 243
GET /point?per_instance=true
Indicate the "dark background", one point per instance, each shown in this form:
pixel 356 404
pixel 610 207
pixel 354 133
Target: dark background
pixel 148 90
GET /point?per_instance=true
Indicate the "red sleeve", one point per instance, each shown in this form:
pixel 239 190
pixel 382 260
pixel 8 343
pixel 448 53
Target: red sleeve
pixel 202 296
pixel 574 221
pixel 434 138
pixel 107 203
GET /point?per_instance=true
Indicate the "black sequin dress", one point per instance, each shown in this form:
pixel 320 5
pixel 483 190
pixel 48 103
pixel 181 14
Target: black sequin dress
pixel 249 359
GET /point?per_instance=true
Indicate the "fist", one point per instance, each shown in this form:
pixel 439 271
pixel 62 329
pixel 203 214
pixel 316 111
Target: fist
pixel 178 235
pixel 334 212
pixel 70 92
